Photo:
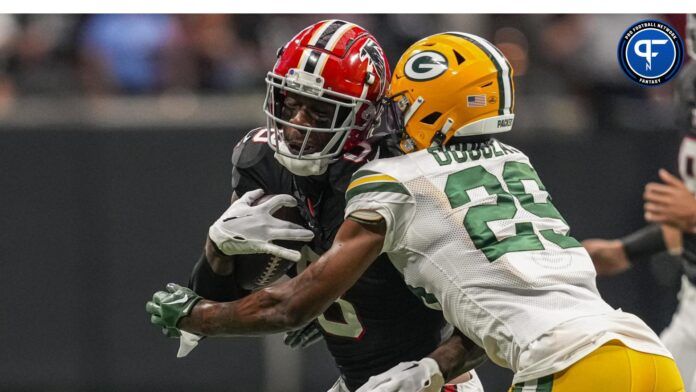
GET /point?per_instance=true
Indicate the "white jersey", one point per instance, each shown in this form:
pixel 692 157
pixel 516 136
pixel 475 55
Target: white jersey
pixel 475 234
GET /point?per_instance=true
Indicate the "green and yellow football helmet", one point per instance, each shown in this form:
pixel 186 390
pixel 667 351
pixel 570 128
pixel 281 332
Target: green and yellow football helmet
pixel 451 84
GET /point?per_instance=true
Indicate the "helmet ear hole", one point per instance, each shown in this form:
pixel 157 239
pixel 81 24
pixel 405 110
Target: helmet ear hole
pixel 431 118
pixel 459 57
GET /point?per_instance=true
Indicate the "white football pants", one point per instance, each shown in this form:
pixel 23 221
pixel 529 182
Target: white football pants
pixel 680 336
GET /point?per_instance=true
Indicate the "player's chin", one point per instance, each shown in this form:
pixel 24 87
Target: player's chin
pixel 295 149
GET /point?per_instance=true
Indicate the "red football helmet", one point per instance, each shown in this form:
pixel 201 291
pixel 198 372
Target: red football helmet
pixel 334 62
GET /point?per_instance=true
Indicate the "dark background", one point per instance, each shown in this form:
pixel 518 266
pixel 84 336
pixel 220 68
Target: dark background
pixel 109 183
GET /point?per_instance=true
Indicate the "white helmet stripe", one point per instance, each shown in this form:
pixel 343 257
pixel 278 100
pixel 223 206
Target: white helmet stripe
pixel 500 62
pixel 321 63
pixel 313 41
pixel 504 66
pixel 319 32
pixel 337 36
pixel 326 37
pixel 331 44
pixel 303 58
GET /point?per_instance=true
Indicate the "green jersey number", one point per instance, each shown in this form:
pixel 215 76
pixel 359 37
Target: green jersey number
pixel 521 180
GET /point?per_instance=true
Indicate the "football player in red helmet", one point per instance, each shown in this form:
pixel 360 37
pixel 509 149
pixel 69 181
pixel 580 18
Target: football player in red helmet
pixel 339 71
pixel 323 104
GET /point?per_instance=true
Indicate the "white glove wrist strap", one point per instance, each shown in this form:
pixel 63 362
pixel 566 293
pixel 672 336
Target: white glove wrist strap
pixel 436 378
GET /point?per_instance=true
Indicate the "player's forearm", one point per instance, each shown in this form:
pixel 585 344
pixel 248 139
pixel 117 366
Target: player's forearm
pixel 457 355
pixel 256 314
pixel 278 308
pixel 291 304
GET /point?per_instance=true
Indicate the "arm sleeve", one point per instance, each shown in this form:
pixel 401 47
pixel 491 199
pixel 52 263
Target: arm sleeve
pixel 210 285
pixel 385 195
pixel 644 242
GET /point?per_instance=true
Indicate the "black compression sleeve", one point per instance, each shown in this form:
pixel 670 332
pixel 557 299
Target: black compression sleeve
pixel 210 285
pixel 644 242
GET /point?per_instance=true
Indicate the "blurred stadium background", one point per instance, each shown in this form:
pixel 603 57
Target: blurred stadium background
pixel 115 138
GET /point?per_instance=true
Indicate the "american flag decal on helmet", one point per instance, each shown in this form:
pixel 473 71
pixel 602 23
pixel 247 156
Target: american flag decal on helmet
pixel 473 101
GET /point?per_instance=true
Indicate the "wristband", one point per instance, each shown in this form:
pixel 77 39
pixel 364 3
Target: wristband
pixel 644 242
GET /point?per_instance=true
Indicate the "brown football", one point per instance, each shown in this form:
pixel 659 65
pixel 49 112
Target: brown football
pixel 254 271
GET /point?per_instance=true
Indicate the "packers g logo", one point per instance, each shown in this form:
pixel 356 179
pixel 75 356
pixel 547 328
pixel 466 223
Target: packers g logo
pixel 425 66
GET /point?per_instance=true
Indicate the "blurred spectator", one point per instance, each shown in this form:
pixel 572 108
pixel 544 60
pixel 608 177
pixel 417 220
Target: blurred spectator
pixel 9 31
pixel 222 60
pixel 42 61
pixel 8 34
pixel 127 53
pixel 565 65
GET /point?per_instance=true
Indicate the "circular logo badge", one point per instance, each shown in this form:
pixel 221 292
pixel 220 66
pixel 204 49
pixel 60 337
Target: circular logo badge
pixel 425 66
pixel 651 52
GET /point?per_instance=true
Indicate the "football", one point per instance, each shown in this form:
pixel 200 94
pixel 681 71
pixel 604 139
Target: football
pixel 254 271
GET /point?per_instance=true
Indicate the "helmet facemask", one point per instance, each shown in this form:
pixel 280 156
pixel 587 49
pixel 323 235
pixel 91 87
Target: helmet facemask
pixel 398 107
pixel 402 111
pixel 336 122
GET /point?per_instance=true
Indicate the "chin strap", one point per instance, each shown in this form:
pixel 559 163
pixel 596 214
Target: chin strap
pixel 441 135
pixel 301 167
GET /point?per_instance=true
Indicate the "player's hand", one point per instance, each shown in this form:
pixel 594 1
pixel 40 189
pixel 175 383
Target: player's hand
pixel 303 337
pixel 608 256
pixel 168 307
pixel 245 229
pixel 670 203
pixel 423 375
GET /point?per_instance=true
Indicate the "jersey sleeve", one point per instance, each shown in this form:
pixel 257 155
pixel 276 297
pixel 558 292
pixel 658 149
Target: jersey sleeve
pixel 246 156
pixel 376 191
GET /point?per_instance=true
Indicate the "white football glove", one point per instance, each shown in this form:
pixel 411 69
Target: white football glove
pixel 420 376
pixel 245 229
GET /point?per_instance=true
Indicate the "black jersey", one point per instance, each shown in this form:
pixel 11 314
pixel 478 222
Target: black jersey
pixel 378 322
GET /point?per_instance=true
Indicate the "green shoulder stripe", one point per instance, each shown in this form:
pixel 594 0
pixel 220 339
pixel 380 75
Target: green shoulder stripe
pixel 363 173
pixel 393 187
